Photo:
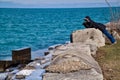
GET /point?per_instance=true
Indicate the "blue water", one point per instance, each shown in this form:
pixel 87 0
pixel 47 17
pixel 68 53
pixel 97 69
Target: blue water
pixel 41 28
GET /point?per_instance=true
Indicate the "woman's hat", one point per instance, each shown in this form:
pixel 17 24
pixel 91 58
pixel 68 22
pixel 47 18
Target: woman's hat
pixel 87 18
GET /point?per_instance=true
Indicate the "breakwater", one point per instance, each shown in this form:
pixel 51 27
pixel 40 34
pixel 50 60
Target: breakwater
pixel 68 61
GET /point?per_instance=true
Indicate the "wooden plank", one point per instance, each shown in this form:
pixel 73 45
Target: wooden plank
pixel 4 65
pixel 21 55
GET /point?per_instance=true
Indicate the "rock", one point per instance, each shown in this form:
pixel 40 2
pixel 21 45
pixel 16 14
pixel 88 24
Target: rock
pixel 79 75
pixel 23 73
pixel 40 62
pixel 73 61
pixel 113 25
pixel 89 35
pixel 73 57
pixel 53 47
pixel 34 65
pixel 114 28
pixel 91 48
pixel 115 34
pixel 46 61
pixel 68 66
pixel 73 47
pixel 20 76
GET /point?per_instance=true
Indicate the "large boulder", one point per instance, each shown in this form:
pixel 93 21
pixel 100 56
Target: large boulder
pixel 79 75
pixel 89 35
pixel 73 47
pixel 68 61
pixel 81 52
pixel 73 62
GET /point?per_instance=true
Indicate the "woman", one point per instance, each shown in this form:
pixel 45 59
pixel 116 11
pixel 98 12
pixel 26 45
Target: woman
pixel 91 24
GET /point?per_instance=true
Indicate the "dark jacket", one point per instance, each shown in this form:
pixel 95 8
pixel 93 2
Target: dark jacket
pixel 92 24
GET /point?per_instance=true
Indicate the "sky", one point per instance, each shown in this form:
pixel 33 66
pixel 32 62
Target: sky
pixel 56 3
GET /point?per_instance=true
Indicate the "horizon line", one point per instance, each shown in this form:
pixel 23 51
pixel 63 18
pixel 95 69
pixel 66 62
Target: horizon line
pixel 61 7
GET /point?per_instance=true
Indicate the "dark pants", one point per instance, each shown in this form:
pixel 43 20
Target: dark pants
pixel 110 37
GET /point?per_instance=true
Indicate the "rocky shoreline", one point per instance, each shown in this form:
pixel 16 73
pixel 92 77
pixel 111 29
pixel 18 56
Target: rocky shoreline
pixel 71 61
pixel 74 61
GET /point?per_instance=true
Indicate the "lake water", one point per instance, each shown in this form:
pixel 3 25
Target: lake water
pixel 41 28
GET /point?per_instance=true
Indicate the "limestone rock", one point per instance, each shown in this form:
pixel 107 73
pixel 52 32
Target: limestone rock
pixel 79 75
pixel 88 48
pixel 89 35
pixel 68 65
pixel 114 28
pixel 68 58
pixel 73 57
pixel 23 73
pixel 113 25
pixel 83 48
pixel 40 62
pixel 73 61
pixel 115 35
pixel 93 48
